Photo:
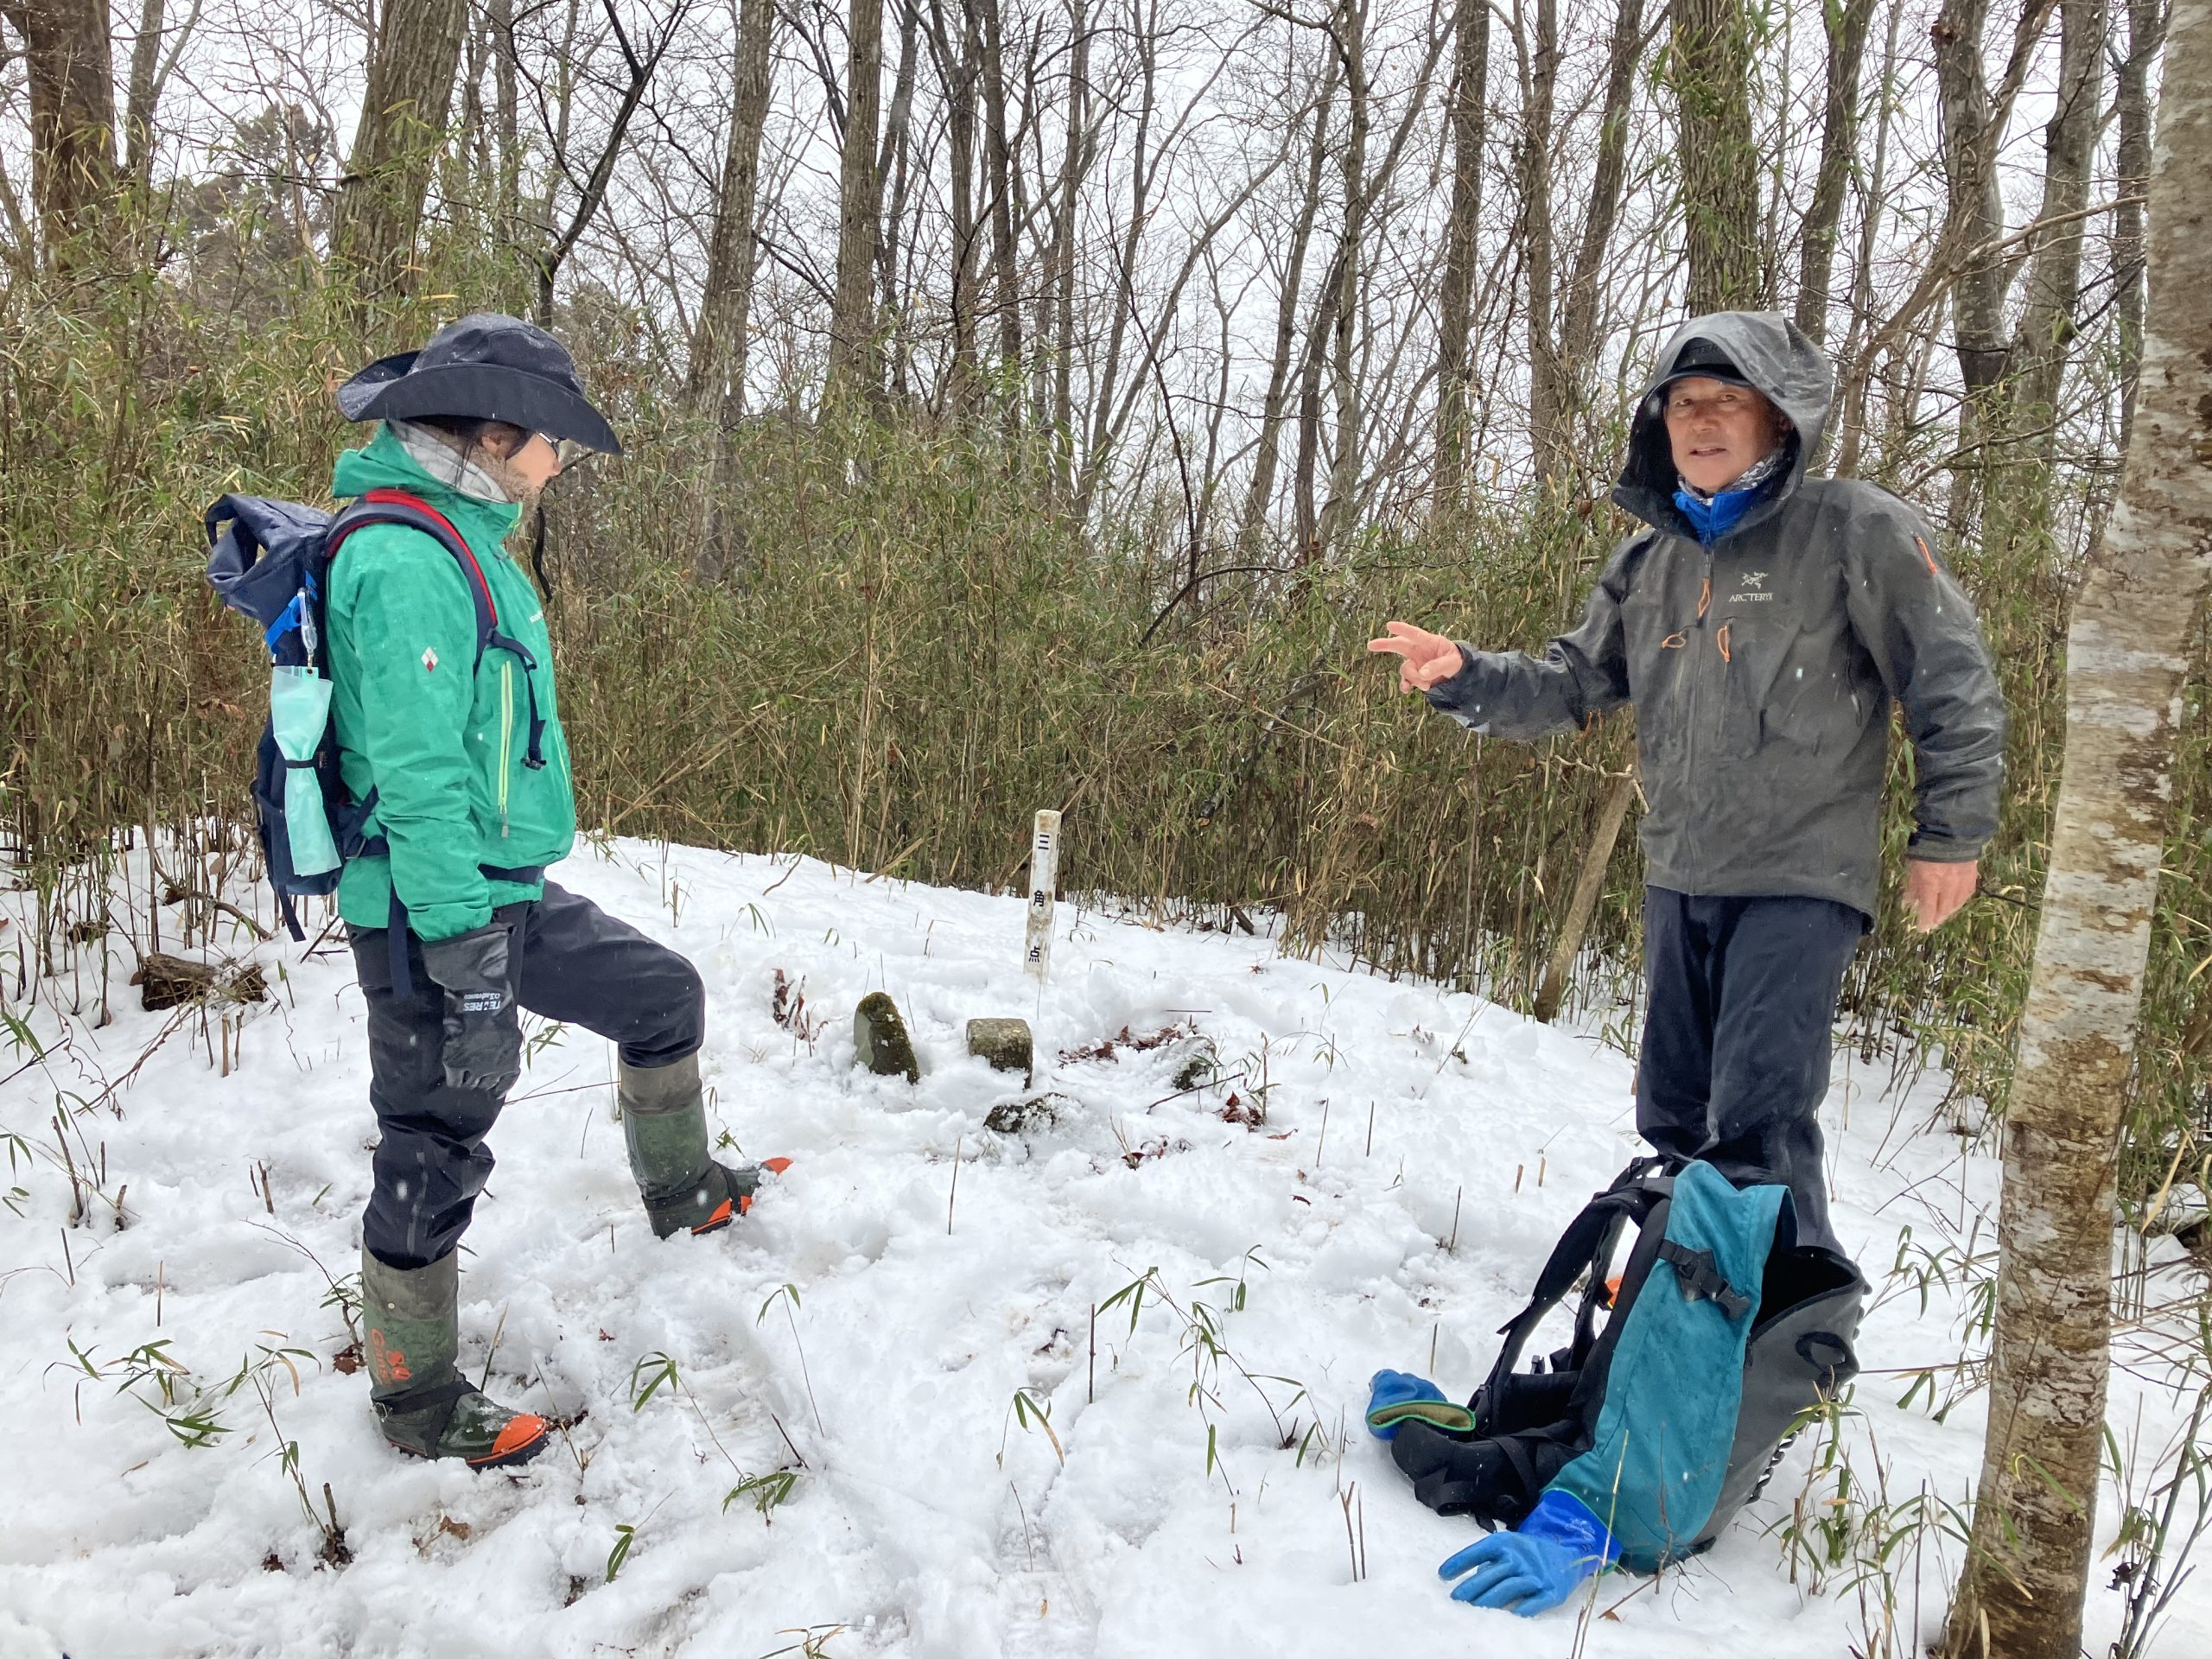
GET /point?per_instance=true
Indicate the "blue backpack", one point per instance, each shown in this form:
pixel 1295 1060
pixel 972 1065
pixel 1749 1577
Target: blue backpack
pixel 1717 1335
pixel 270 561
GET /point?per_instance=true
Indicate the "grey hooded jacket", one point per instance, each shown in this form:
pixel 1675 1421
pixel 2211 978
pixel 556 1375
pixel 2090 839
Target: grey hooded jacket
pixel 1763 667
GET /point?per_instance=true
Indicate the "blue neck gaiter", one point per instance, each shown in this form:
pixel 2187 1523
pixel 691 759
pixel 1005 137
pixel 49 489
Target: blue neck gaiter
pixel 1713 515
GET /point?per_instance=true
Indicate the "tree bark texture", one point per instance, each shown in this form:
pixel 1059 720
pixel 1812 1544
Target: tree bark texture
pixel 717 368
pixel 1455 300
pixel 2127 654
pixel 998 150
pixel 1075 167
pixel 1260 495
pixel 955 53
pixel 1539 68
pixel 1719 164
pixel 67 55
pixel 1582 904
pixel 1576 356
pixel 403 112
pixel 2037 356
pixel 2146 20
pixel 1847 33
pixel 852 320
pixel 1343 460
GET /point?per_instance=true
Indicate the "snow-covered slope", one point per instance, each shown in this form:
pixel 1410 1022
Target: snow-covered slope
pixel 872 1329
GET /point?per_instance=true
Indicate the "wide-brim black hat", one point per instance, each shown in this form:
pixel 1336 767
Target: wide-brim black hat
pixel 485 367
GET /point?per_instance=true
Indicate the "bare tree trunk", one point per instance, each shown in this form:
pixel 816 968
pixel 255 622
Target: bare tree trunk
pixel 2038 356
pixel 1847 33
pixel 403 127
pixel 1306 508
pixel 506 118
pixel 2128 653
pixel 1343 460
pixel 1260 492
pixel 1455 302
pixel 138 107
pixel 1539 68
pixel 1977 208
pixel 1075 167
pixel 2146 23
pixel 716 381
pixel 955 65
pixel 68 58
pixel 1589 884
pixel 1006 296
pixel 1146 32
pixel 852 322
pixel 1578 334
pixel 1851 395
pixel 1974 132
pixel 892 162
pixel 1719 162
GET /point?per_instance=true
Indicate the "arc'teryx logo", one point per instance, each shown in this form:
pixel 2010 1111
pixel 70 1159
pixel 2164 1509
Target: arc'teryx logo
pixel 1753 591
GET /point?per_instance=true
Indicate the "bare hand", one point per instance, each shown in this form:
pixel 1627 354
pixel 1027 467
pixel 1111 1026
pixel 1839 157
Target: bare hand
pixel 1428 658
pixel 1933 892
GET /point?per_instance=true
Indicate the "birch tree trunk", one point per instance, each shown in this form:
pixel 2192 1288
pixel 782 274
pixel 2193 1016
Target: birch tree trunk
pixel 2022 1593
pixel 852 322
pixel 717 369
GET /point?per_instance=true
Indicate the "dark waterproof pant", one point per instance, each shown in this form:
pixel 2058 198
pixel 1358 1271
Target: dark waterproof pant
pixel 1734 1060
pixel 578 965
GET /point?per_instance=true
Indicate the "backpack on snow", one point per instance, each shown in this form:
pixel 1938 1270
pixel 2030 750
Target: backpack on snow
pixel 1722 1330
pixel 270 561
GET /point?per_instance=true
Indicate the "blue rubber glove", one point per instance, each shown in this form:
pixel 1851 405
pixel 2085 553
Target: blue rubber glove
pixel 1388 1391
pixel 1536 1566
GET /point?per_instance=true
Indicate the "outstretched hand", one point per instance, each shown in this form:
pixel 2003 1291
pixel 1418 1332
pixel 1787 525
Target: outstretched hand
pixel 1426 660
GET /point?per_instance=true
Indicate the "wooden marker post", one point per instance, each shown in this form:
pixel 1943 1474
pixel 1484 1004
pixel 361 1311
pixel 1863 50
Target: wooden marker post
pixel 1044 872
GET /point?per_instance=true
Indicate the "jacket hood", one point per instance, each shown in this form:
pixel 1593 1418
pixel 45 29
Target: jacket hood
pixel 1773 356
pixel 385 465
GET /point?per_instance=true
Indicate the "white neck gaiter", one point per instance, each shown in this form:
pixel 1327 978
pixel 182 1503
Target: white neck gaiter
pixel 434 455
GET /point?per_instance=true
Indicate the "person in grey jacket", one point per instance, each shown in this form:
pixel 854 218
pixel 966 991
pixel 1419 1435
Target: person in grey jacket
pixel 1762 624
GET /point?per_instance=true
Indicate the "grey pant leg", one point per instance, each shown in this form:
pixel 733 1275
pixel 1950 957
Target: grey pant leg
pixel 576 964
pixel 582 966
pixel 431 1162
pixel 1673 1060
pixel 1735 1058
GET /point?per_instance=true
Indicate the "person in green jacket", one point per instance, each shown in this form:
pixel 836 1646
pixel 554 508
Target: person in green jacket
pixel 457 746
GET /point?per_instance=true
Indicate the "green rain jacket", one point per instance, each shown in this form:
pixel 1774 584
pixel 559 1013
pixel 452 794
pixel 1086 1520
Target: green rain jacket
pixel 440 736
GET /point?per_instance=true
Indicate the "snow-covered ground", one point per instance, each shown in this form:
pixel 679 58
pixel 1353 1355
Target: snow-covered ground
pixel 872 1329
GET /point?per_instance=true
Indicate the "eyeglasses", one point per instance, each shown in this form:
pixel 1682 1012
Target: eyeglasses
pixel 568 451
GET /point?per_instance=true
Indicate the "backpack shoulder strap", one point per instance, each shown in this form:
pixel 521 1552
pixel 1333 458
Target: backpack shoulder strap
pixel 1585 1247
pixel 398 507
pixel 386 506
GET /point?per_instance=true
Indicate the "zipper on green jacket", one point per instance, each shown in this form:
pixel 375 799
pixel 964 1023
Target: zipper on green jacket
pixel 506 738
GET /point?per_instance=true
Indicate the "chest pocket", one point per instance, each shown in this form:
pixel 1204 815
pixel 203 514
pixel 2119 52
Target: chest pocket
pixel 1765 681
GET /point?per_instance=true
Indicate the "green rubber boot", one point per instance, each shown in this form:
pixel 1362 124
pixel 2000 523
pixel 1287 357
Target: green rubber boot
pixel 423 1403
pixel 664 1126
